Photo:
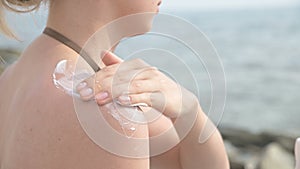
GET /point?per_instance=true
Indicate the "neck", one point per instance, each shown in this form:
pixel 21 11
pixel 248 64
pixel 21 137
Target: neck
pixel 78 20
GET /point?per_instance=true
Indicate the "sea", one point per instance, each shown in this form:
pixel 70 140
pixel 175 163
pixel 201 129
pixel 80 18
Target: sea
pixel 258 51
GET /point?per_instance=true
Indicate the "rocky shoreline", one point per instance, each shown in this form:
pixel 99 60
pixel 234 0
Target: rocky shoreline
pixel 246 150
pixel 265 150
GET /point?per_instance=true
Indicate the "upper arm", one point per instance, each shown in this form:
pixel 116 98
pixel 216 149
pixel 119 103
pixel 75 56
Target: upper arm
pixel 165 158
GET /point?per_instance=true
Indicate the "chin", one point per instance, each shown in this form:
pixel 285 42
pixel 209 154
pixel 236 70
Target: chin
pixel 135 24
pixel 145 27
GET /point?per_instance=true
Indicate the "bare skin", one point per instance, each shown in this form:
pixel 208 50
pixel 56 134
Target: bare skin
pixel 41 130
pixel 38 123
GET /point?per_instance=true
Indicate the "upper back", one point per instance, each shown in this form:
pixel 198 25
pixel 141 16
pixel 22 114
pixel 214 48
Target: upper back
pixel 38 124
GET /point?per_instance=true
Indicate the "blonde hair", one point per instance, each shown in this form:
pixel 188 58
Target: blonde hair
pixel 19 6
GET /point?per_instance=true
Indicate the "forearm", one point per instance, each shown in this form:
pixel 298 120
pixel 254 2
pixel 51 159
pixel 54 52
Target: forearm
pixel 208 155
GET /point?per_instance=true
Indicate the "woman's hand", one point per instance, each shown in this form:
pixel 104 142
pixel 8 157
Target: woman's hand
pixel 133 82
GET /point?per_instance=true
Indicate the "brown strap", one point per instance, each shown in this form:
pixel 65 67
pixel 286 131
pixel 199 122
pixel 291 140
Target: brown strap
pixel 66 41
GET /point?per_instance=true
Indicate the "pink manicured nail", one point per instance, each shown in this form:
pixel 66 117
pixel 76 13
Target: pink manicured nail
pixel 81 85
pixel 86 92
pixel 101 96
pixel 124 99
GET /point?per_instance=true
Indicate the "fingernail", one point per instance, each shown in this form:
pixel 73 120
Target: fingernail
pixel 81 85
pixel 86 92
pixel 101 96
pixel 124 99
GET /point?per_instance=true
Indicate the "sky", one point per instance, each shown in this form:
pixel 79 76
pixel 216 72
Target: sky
pixel 221 4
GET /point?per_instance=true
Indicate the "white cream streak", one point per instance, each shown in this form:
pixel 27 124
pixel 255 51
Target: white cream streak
pixel 66 80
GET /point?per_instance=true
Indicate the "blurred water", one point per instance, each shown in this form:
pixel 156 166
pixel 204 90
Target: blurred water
pixel 261 54
pixel 260 50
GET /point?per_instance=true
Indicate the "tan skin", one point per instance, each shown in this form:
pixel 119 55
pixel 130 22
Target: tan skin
pixel 38 123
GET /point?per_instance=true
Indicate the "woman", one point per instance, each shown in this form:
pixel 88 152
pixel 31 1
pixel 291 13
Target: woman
pixel 38 123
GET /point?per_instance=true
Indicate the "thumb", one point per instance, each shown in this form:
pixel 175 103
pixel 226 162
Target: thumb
pixel 109 58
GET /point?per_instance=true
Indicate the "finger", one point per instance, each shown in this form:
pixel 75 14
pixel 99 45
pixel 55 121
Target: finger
pixel 135 87
pixel 109 58
pixel 145 73
pixel 133 64
pixel 94 81
pixel 111 61
pixel 89 87
pixel 155 100
pixel 85 89
pixel 94 84
pixel 122 72
pixel 102 98
pixel 125 82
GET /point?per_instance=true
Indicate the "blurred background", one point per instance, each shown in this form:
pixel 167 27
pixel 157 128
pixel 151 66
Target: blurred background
pixel 259 44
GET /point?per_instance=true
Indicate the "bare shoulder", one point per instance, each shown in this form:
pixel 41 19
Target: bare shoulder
pixel 47 134
pixel 42 129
